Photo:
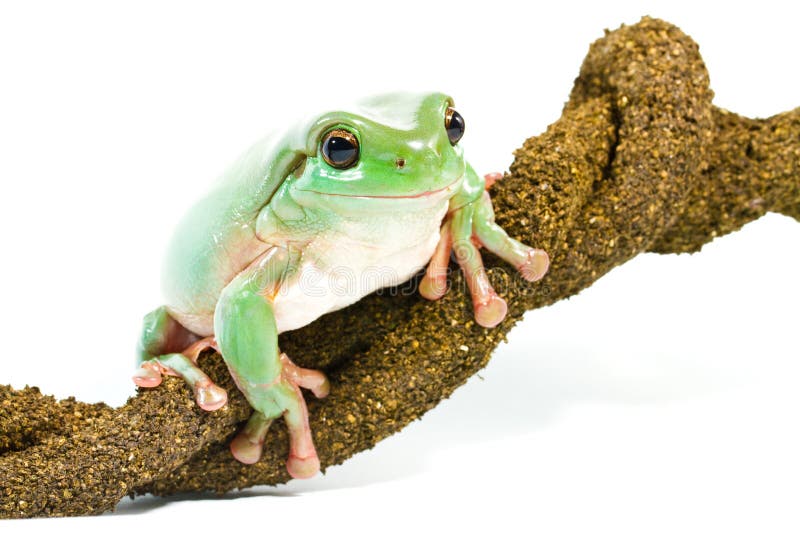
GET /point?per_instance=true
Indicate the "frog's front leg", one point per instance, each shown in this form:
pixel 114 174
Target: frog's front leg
pixel 468 225
pixel 247 335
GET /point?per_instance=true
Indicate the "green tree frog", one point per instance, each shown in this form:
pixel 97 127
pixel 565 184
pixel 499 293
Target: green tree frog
pixel 305 223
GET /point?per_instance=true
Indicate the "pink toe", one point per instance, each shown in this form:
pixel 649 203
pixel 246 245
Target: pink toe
pixel 433 288
pixel 146 378
pixel 211 397
pixel 490 313
pixel 302 467
pixel 245 450
pixel 536 265
pixel 323 389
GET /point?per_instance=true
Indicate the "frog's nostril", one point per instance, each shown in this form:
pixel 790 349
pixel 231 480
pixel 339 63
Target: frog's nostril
pixel 400 163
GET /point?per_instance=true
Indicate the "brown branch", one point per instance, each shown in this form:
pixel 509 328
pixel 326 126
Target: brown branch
pixel 639 161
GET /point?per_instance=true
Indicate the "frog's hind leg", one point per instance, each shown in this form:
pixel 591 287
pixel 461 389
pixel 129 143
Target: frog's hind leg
pixel 247 333
pixel 160 351
pixel 271 383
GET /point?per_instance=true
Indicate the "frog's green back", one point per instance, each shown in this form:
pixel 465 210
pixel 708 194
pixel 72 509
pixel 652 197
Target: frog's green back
pixel 216 238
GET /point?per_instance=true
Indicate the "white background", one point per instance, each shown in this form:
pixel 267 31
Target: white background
pixel 662 399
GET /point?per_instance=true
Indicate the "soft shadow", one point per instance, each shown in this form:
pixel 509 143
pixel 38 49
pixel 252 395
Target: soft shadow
pixel 147 503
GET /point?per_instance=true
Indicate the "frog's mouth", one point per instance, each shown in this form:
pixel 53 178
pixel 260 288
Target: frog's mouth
pixel 434 192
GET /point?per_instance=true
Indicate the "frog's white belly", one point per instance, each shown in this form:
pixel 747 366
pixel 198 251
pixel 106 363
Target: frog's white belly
pixel 353 258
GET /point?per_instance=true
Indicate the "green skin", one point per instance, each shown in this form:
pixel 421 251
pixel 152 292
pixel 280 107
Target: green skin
pixel 260 254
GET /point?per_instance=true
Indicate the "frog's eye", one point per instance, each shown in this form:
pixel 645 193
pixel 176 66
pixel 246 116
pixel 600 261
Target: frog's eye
pixel 454 124
pixel 340 149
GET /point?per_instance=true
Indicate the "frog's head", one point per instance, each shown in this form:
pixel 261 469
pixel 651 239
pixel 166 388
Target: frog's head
pixel 389 151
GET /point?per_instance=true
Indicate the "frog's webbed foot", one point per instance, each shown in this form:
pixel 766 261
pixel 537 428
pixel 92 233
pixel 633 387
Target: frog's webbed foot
pixel 282 398
pixel 465 230
pixel 208 395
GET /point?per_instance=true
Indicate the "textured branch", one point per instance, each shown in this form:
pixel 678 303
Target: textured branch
pixel 639 161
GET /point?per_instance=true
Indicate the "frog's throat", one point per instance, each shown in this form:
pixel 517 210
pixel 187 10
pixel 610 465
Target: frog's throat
pixel 449 187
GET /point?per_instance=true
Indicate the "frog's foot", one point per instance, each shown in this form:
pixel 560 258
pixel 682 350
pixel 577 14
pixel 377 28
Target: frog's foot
pixel 283 397
pixel 467 229
pixel 208 395
pixel 456 235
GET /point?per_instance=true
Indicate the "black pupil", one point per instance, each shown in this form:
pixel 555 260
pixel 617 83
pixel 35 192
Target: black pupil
pixel 340 150
pixel 455 128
